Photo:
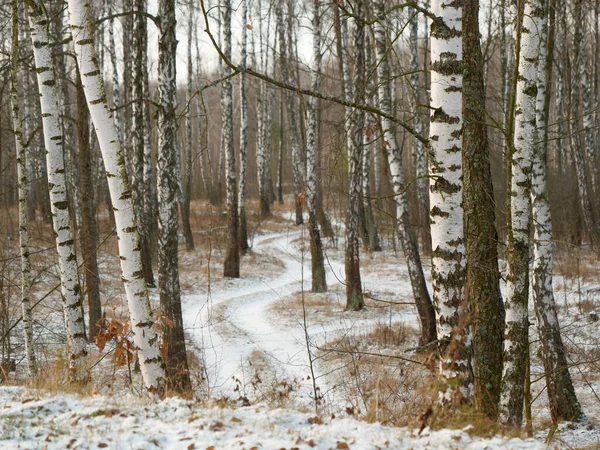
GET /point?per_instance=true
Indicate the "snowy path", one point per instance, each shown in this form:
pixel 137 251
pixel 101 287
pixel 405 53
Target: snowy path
pixel 236 322
pixel 233 323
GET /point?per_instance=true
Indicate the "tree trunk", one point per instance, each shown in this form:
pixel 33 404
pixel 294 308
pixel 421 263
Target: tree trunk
pixel 445 198
pixel 263 193
pixel 405 232
pixel 23 186
pixel 232 257
pixel 89 232
pixel 168 189
pixel 354 294
pixel 483 276
pixel 561 394
pixel 61 214
pixel 142 323
pixel 244 247
pixel 187 184
pixel 319 282
pixel 517 279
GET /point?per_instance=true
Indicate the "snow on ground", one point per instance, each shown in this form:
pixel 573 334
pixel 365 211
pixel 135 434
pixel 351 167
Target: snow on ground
pixel 32 421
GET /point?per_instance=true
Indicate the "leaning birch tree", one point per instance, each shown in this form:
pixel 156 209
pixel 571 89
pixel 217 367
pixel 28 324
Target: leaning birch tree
pixel 142 320
pixel 559 386
pixel 61 213
pixel 405 233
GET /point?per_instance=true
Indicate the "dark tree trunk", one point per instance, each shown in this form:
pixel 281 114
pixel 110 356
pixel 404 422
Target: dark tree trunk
pixel 89 232
pixel 167 176
pixel 483 276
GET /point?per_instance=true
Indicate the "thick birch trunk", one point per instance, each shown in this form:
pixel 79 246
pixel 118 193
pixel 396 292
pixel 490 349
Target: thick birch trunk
pixel 23 186
pixel 167 177
pixel 319 282
pixel 561 394
pixel 394 156
pixel 445 198
pixel 483 276
pixel 516 342
pixel 142 321
pixel 61 219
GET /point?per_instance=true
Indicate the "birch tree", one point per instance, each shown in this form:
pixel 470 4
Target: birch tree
pixel 187 184
pixel 232 256
pixel 516 344
pixel 168 190
pixel 445 196
pixel 394 156
pixel 354 294
pixel 23 186
pixel 319 282
pixel 61 213
pixel 142 321
pixel 243 240
pixel 483 276
pixel 561 394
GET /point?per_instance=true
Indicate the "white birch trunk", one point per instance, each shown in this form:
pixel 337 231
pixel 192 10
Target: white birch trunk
pixel 561 394
pixel 142 320
pixel 243 133
pixel 405 234
pixel 61 220
pixel 445 198
pixel 23 185
pixel 517 278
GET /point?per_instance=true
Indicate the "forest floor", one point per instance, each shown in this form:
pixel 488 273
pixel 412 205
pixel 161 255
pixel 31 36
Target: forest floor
pixel 276 366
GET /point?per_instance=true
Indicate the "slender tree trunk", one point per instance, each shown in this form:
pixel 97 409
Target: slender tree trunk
pixel 280 155
pixel 319 282
pixel 232 257
pixel 23 183
pixel 167 176
pixel 517 279
pixel 483 276
pixel 89 232
pixel 561 394
pixel 445 198
pixel 261 157
pixel 405 233
pixel 61 214
pixel 244 247
pixel 354 294
pixel 187 186
pixel 142 323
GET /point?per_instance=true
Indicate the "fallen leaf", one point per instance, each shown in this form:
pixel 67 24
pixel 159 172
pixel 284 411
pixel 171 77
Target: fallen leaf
pixel 315 420
pixel 342 445
pixel 236 420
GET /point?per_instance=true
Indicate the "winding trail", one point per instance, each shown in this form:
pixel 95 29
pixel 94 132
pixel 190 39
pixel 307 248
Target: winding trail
pixel 230 325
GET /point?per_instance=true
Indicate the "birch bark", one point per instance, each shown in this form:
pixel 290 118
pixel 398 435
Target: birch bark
pixel 232 257
pixel 61 214
pixel 23 186
pixel 244 247
pixel 561 394
pixel 394 156
pixel 319 282
pixel 142 321
pixel 516 344
pixel 167 176
pixel 445 198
